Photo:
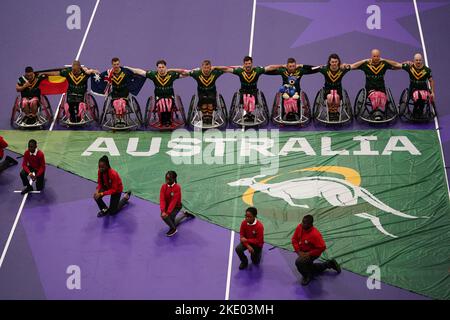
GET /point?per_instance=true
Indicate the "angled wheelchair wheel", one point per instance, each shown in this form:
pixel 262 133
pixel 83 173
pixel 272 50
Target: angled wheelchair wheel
pixel 234 105
pixel 92 107
pixel 276 108
pixel 224 107
pixel 403 103
pixel 360 101
pixel 15 112
pixel 318 104
pixel 194 101
pixel 137 110
pixel 46 110
pixel 347 104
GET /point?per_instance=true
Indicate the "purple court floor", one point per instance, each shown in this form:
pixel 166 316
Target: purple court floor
pixel 128 256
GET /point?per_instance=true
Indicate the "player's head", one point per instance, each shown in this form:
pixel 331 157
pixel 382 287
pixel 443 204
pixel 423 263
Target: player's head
pixel 206 66
pixel 29 73
pixel 115 62
pixel 418 60
pixel 103 164
pixel 250 215
pixel 307 222
pixel 76 66
pixel 375 55
pixel 171 177
pixel 161 66
pixel 334 61
pixel 248 63
pixel 32 145
pixel 291 65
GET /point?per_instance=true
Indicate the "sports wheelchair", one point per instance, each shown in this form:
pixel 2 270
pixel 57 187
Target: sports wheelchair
pixel 322 114
pixel 19 120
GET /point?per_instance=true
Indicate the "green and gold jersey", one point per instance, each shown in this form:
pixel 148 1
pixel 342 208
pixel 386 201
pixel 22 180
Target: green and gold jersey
pixel 249 80
pixel 333 79
pixel 77 83
pixel 206 85
pixel 119 83
pixel 297 74
pixel 375 75
pixel 34 90
pixel 163 84
pixel 418 78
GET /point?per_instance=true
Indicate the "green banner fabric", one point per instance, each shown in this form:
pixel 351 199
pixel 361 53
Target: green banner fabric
pixel 379 197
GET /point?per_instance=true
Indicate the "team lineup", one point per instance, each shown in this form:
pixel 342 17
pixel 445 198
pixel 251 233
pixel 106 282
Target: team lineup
pixel 374 103
pixel 121 84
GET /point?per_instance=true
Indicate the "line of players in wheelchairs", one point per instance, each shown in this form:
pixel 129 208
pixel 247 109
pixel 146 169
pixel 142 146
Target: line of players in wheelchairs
pixel 374 103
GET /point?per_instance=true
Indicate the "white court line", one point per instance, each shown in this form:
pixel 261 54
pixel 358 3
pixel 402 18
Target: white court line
pixel 76 58
pixel 5 249
pixel 231 251
pixel 436 122
pixel 2 258
pixel 34 191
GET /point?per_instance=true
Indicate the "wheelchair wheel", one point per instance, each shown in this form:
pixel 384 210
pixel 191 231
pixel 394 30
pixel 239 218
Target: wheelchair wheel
pixel 318 103
pixel 266 107
pixel 92 107
pixel 148 110
pixel 108 100
pixel 391 103
pixel 137 110
pixel 360 101
pixel 15 112
pixel 234 104
pixel 305 105
pixel 224 108
pixel 179 104
pixel 276 106
pixel 46 110
pixel 191 108
pixel 262 101
pixel 60 108
pixel 347 104
pixel 403 103
pixel 433 109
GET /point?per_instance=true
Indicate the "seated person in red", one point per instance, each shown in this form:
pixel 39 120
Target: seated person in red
pixel 252 238
pixel 170 203
pixel 8 162
pixel 309 245
pixel 33 166
pixel 109 183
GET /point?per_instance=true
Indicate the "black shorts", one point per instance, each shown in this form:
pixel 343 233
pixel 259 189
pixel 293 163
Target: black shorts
pixel 206 98
pixel 74 98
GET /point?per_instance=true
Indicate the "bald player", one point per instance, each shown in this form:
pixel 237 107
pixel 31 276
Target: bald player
pixel 77 77
pixel 421 83
pixel 375 69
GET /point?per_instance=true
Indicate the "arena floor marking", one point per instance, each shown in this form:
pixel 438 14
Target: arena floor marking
pixel 241 292
pixel 425 56
pixel 19 212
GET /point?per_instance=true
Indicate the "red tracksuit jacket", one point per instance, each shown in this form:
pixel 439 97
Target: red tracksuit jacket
pixel 3 145
pixel 310 241
pixel 254 234
pixel 37 162
pixel 170 197
pixel 111 182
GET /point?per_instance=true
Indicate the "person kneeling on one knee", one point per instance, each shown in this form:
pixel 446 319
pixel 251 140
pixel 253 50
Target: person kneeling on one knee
pixel 109 183
pixel 170 203
pixel 8 161
pixel 33 167
pixel 252 238
pixel 308 243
